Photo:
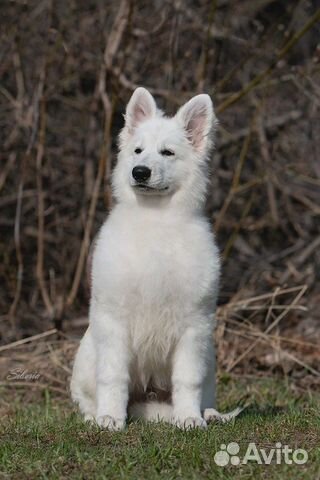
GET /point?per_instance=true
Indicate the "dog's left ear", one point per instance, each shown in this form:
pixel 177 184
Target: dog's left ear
pixel 141 107
pixel 198 119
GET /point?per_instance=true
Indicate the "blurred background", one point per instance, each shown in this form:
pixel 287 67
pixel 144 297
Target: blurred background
pixel 67 70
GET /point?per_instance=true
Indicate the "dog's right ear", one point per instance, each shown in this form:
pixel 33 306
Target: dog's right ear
pixel 141 107
pixel 198 120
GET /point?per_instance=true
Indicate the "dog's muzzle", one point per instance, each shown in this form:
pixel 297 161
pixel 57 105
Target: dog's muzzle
pixel 142 176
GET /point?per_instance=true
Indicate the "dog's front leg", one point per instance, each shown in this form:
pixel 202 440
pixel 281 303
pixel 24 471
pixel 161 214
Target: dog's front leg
pixel 189 371
pixel 112 371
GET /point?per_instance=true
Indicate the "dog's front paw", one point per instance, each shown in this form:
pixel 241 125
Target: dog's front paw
pixel 111 423
pixel 189 423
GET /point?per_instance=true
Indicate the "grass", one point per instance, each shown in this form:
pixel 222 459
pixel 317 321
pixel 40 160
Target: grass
pixel 48 440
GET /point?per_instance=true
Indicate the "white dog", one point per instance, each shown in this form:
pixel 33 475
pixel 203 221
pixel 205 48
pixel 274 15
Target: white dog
pixel 148 350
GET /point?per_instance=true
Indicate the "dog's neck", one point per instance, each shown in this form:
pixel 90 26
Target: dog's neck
pixel 158 205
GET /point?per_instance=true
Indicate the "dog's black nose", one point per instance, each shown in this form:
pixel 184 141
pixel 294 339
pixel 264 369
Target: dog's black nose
pixel 141 173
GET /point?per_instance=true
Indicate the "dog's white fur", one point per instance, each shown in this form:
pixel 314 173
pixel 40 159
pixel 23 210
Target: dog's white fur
pixel 155 277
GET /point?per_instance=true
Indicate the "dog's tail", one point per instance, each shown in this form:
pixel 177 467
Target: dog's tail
pixel 154 411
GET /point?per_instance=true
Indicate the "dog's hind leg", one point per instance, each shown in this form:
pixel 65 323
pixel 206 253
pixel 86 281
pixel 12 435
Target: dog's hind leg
pixel 208 399
pixel 83 378
pixel 86 404
pixel 210 414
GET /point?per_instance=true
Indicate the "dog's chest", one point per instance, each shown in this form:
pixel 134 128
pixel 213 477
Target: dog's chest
pixel 162 268
pixel 155 269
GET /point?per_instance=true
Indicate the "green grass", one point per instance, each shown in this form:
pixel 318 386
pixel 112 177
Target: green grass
pixel 49 440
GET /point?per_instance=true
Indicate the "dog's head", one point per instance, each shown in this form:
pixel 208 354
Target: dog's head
pixel 161 156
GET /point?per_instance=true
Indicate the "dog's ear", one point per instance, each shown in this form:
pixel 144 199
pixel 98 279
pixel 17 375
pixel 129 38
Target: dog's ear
pixel 198 119
pixel 141 107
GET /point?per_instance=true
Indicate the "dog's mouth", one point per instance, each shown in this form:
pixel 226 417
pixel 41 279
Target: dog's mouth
pixel 147 190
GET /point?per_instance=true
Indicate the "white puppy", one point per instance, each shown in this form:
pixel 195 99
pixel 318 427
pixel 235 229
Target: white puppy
pixel 155 273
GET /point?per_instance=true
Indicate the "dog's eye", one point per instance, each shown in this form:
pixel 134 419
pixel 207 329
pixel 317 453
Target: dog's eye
pixel 167 153
pixel 138 150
